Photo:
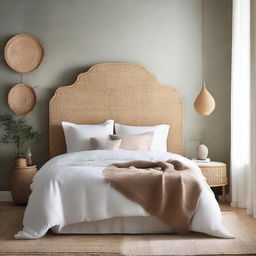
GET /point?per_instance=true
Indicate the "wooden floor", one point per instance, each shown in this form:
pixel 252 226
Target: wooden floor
pixel 235 220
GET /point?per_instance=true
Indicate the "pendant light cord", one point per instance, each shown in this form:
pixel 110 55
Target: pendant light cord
pixel 203 78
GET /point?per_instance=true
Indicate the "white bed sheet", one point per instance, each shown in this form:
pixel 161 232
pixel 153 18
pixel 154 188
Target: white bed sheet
pixel 70 189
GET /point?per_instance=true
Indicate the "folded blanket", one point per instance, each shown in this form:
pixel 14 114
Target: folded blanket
pixel 168 190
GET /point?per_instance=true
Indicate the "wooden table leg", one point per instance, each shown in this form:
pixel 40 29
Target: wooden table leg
pixel 224 194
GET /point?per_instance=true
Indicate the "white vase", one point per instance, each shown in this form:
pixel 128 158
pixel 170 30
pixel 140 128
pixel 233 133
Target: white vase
pixel 201 152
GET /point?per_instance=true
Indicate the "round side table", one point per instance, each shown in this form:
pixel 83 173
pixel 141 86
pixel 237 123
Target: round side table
pixel 21 179
pixel 215 174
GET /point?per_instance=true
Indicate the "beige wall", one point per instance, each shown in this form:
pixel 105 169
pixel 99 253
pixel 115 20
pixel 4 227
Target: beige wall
pixel 164 36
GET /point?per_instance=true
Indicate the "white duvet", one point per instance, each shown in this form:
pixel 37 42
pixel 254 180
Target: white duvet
pixel 70 188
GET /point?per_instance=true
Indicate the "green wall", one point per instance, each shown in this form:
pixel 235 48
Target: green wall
pixel 164 36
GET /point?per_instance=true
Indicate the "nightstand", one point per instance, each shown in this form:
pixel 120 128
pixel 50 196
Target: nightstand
pixel 21 179
pixel 215 174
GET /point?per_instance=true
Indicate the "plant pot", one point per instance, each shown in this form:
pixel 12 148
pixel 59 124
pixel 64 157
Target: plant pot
pixel 21 179
pixel 20 162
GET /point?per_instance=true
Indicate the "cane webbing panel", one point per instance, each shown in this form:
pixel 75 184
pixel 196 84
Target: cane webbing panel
pixel 126 93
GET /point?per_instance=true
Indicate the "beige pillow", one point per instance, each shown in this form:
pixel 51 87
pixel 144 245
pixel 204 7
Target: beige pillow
pixel 135 142
pixel 105 144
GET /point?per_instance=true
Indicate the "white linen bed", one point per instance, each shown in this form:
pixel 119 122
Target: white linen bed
pixel 70 189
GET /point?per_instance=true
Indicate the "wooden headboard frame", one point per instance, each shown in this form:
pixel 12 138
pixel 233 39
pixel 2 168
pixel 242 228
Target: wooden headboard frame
pixel 124 92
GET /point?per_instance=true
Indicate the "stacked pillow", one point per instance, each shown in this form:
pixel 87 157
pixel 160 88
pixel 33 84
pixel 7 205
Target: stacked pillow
pixel 135 142
pixel 159 141
pixel 80 137
pixel 105 144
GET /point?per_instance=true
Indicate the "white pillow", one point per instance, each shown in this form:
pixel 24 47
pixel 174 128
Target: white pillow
pixel 159 142
pixel 78 136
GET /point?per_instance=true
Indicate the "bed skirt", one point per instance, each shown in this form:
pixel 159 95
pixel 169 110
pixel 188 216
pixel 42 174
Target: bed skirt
pixel 117 225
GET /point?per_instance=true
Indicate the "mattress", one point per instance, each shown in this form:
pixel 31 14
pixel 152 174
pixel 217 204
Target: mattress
pixel 117 225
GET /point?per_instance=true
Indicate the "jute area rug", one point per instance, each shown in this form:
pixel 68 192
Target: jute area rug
pixel 95 245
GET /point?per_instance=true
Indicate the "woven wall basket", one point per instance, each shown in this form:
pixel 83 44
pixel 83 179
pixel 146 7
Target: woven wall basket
pixel 23 53
pixel 204 103
pixel 21 99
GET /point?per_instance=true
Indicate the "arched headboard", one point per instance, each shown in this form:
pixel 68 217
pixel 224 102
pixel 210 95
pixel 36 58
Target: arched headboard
pixel 124 92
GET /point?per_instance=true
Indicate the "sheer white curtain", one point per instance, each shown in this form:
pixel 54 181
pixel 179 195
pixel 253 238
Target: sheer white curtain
pixel 242 112
pixel 252 174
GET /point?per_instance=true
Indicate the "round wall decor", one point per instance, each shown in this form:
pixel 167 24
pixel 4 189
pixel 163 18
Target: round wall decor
pixel 23 53
pixel 21 99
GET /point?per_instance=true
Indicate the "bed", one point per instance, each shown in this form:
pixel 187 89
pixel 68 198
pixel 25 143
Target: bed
pixel 69 194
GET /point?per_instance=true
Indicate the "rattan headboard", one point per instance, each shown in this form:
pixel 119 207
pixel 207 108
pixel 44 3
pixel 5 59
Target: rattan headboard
pixel 126 93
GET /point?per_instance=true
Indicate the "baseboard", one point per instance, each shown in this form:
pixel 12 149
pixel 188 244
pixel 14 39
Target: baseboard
pixel 5 196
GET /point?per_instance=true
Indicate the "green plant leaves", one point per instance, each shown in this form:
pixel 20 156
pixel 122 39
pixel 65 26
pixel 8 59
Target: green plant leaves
pixel 18 132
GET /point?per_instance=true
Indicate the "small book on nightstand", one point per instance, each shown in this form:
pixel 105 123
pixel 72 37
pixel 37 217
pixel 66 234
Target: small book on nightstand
pixel 198 161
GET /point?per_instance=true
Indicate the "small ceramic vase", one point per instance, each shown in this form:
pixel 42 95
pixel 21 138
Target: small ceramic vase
pixel 29 157
pixel 201 152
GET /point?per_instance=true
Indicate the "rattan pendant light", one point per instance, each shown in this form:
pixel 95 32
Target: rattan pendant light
pixel 204 103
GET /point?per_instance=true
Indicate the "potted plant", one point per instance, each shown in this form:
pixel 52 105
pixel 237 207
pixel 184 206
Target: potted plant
pixel 18 132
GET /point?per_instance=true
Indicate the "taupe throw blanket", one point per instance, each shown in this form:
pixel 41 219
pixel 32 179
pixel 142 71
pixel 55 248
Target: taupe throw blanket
pixel 168 190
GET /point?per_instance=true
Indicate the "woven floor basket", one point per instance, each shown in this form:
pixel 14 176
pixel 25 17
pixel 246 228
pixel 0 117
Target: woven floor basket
pixel 21 178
